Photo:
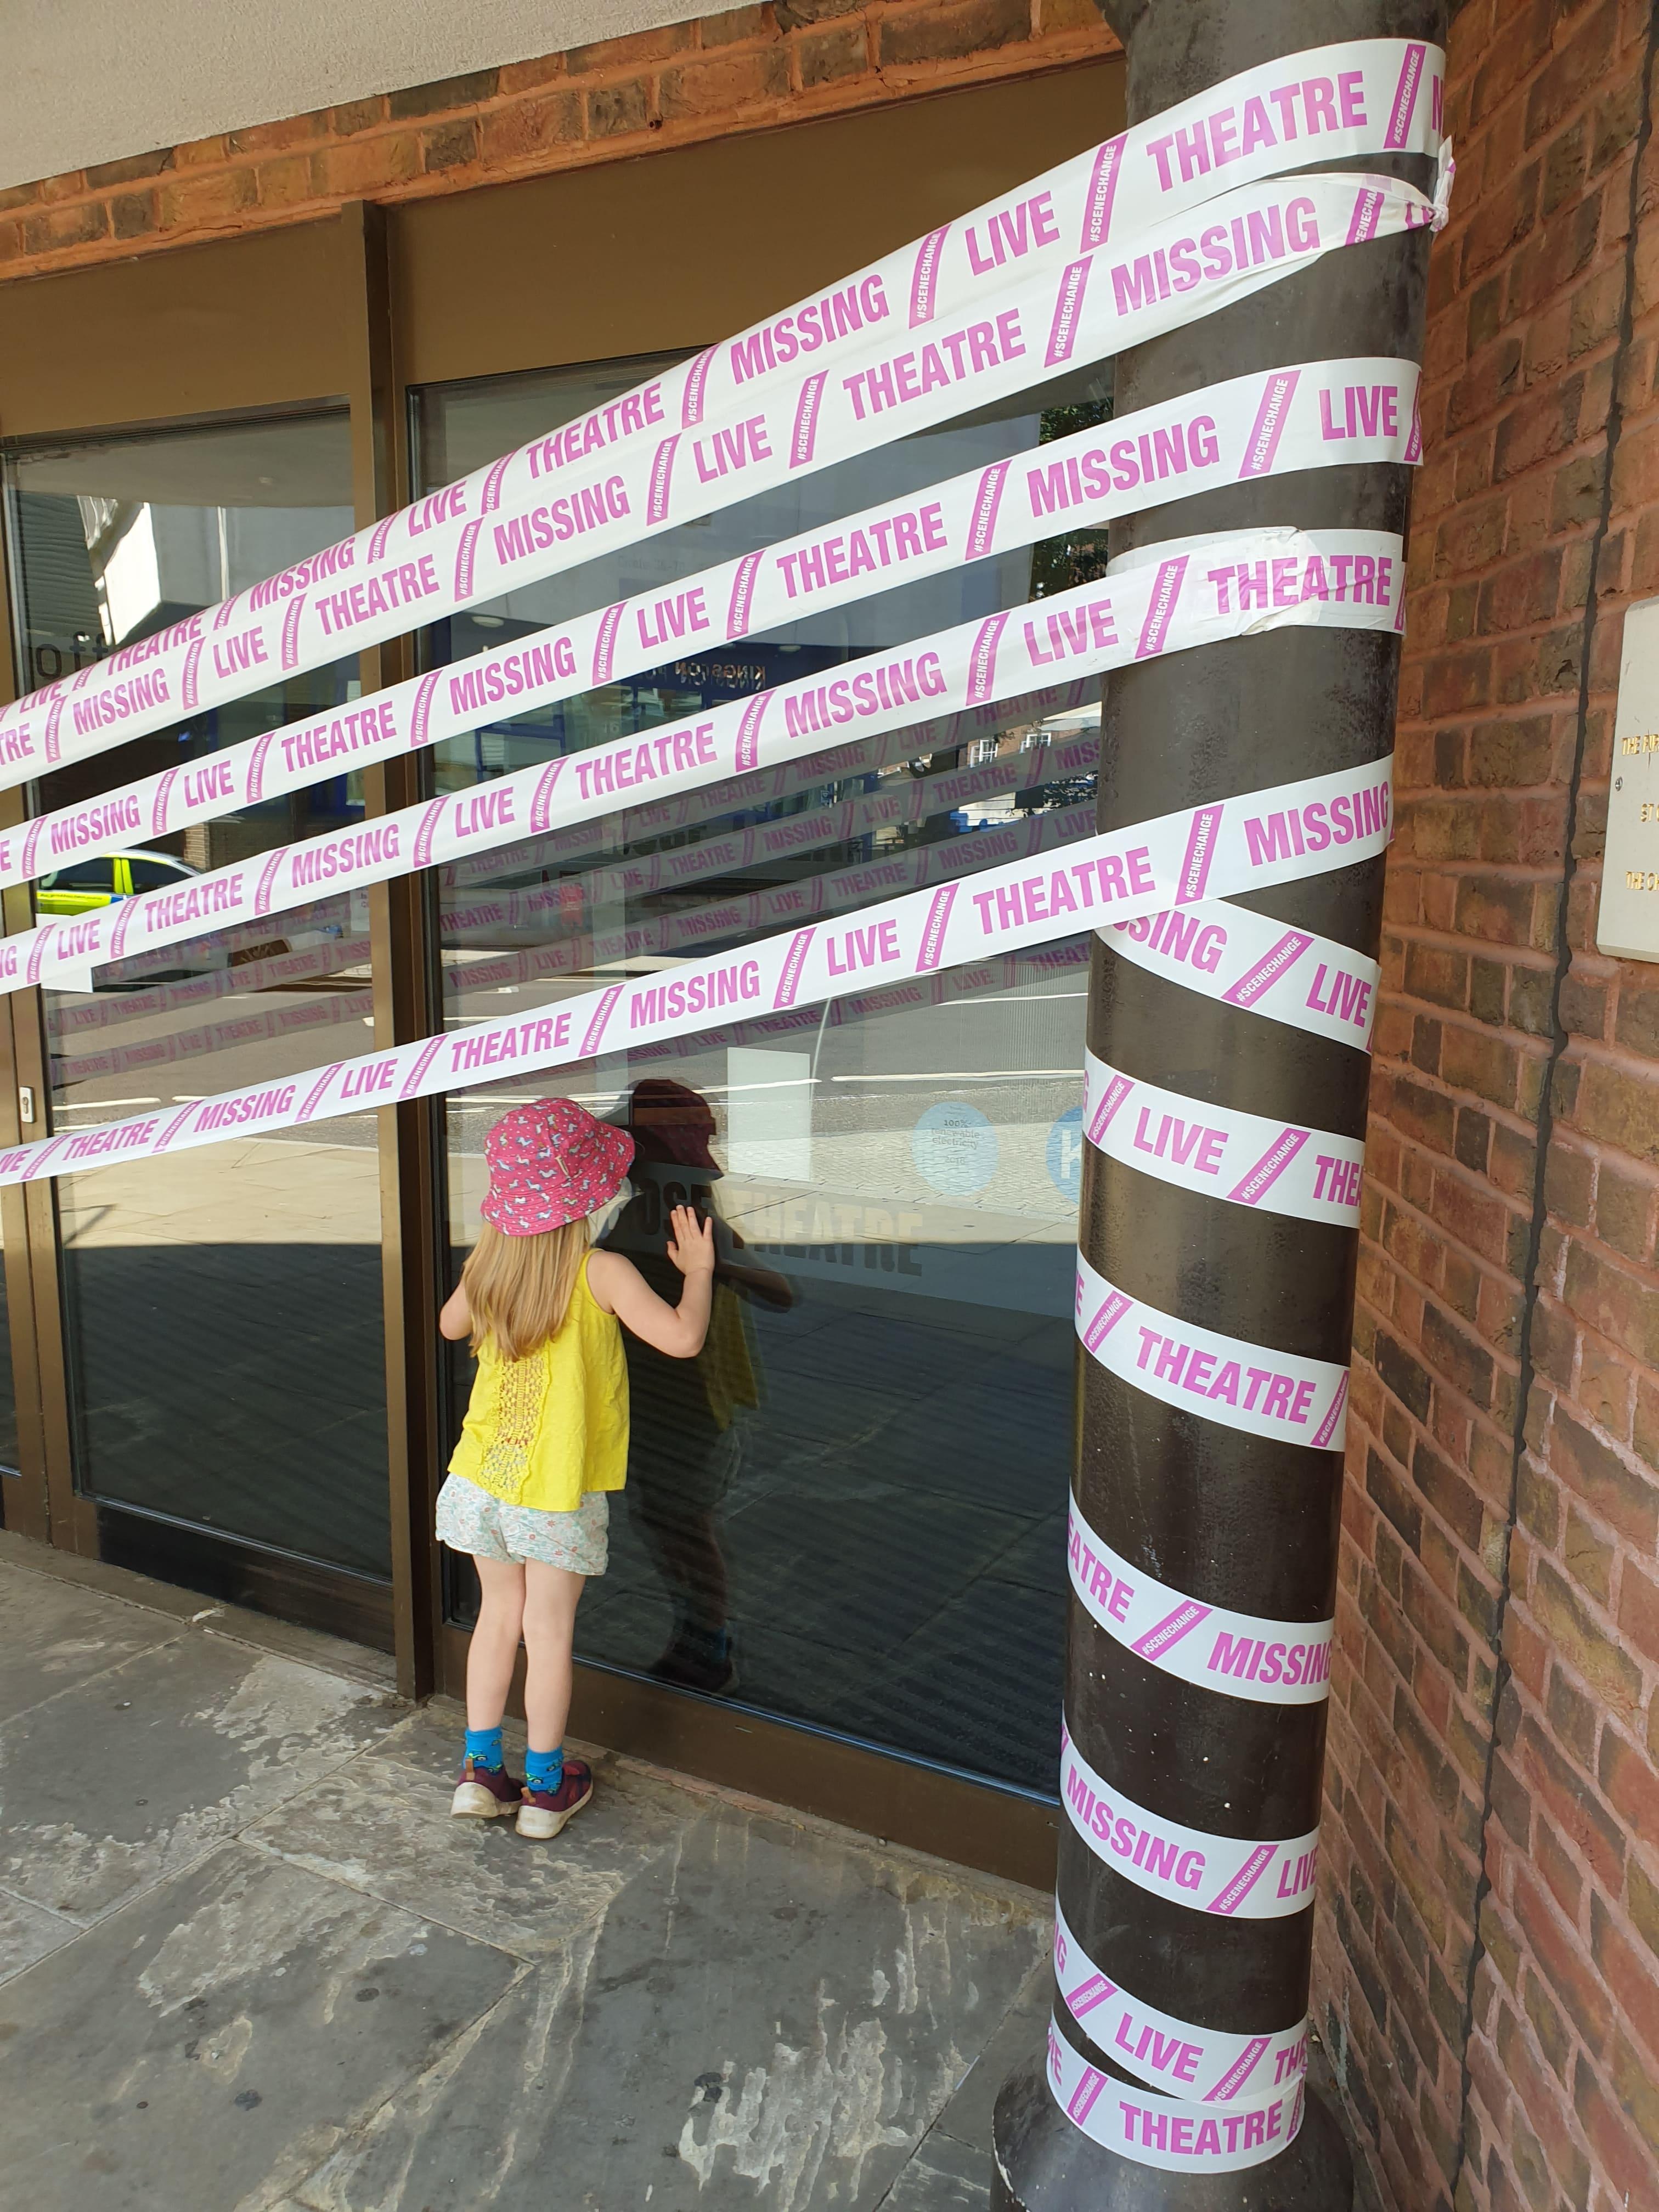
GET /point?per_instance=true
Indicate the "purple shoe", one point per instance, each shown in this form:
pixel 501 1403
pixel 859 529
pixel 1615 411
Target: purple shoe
pixel 544 1812
pixel 484 1793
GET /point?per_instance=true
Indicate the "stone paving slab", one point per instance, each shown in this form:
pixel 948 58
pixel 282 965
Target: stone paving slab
pixel 249 1963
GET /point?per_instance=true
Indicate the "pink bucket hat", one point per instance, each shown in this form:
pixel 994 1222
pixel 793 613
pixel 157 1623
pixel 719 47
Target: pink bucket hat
pixel 550 1163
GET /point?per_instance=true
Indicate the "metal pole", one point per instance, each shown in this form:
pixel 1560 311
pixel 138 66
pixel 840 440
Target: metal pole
pixel 1228 1518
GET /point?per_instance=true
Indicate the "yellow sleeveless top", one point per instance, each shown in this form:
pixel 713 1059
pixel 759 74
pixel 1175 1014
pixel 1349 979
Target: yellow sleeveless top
pixel 540 1431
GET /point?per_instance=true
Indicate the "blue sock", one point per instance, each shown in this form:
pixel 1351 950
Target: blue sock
pixel 543 1770
pixel 483 1747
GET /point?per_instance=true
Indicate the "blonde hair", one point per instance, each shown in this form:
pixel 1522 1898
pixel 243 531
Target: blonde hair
pixel 519 1289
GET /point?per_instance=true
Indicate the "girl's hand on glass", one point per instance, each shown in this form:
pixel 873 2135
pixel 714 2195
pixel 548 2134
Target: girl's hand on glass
pixel 691 1242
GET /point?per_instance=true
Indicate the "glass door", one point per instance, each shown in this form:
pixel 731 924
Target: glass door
pixel 223 1349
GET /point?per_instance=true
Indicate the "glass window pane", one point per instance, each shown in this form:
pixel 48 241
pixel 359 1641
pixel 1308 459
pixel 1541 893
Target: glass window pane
pixel 222 1309
pixel 849 1510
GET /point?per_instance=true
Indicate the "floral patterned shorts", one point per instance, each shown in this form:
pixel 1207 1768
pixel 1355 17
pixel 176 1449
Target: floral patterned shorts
pixel 471 1520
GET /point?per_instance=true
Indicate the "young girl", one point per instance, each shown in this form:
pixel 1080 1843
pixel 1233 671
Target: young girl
pixel 546 1432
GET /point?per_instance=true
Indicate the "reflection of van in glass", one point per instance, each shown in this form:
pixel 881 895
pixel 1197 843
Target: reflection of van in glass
pixel 107 877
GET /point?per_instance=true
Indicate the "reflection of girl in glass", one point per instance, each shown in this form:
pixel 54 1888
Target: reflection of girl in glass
pixel 546 1432
pixel 687 1443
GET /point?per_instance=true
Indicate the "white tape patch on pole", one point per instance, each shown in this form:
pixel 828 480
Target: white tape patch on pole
pixel 1235 1876
pixel 1277 1395
pixel 1196 2065
pixel 1218 1152
pixel 1181 2137
pixel 1251 961
pixel 1242 1655
pixel 1024 286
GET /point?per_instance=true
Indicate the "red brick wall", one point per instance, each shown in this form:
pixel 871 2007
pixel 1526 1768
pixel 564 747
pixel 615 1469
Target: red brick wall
pixel 1495 1700
pixel 748 68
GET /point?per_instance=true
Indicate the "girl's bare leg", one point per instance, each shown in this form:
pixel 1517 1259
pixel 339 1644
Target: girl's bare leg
pixel 550 1595
pixel 494 1650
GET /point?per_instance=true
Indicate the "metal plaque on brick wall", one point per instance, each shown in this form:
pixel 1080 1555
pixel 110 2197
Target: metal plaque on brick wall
pixel 1628 925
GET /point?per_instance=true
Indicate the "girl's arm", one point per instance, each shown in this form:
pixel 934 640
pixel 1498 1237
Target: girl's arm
pixel 619 1288
pixel 455 1320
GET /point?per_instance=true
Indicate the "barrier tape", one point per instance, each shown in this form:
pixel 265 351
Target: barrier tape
pixel 1198 2066
pixel 744 414
pixel 1221 845
pixel 1220 1151
pixel 1235 1876
pixel 1251 961
pixel 1322 414
pixel 1168 605
pixel 1252 1387
pixel 1242 1655
pixel 1180 2137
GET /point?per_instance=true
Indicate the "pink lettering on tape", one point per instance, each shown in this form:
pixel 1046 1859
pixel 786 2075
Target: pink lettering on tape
pixel 466 547
pixel 256 766
pixel 423 1060
pixel 1367 214
pixel 924 277
pixel 983 522
pixel 803 438
pixel 1152 2128
pixel 604 644
pixel 296 607
pixel 1405 98
pixel 123 921
pixel 1068 312
pixel 743 594
pixel 541 804
pixel 52 721
pixel 1196 1868
pixel 189 691
pixel 30 843
pixel 314 1097
pixel 596 1028
pixel 1253 1186
pixel 1261 448
pixel 662 478
pixel 1174 2057
pixel 179 1122
pixel 382 532
pixel 1269 970
pixel 268 876
pixel 1166 1634
pixel 983 660
pixel 1102 191
pixel 420 720
pixel 933 929
pixel 158 812
pixel 490 497
pixel 1160 609
pixel 1199 854
pixel 1107 1315
pixel 1327 1433
pixel 421 856
pixel 1082 2101
pixel 748 749
pixel 794 961
pixel 696 383
pixel 1111 1098
pixel 227 612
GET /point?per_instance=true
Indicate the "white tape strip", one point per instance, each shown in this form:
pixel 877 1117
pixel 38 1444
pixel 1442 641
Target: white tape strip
pixel 1161 608
pixel 1140 869
pixel 1227 1875
pixel 1198 2065
pixel 1242 1654
pixel 1281 1167
pixel 1317 414
pixel 1251 961
pixel 983 290
pixel 1182 2138
pixel 1219 1378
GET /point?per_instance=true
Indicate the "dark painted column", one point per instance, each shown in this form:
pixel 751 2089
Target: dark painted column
pixel 1228 1518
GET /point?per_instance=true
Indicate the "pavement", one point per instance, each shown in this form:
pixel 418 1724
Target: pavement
pixel 248 1963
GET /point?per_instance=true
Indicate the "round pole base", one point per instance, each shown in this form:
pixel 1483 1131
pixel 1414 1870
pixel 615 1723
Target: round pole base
pixel 1046 2164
